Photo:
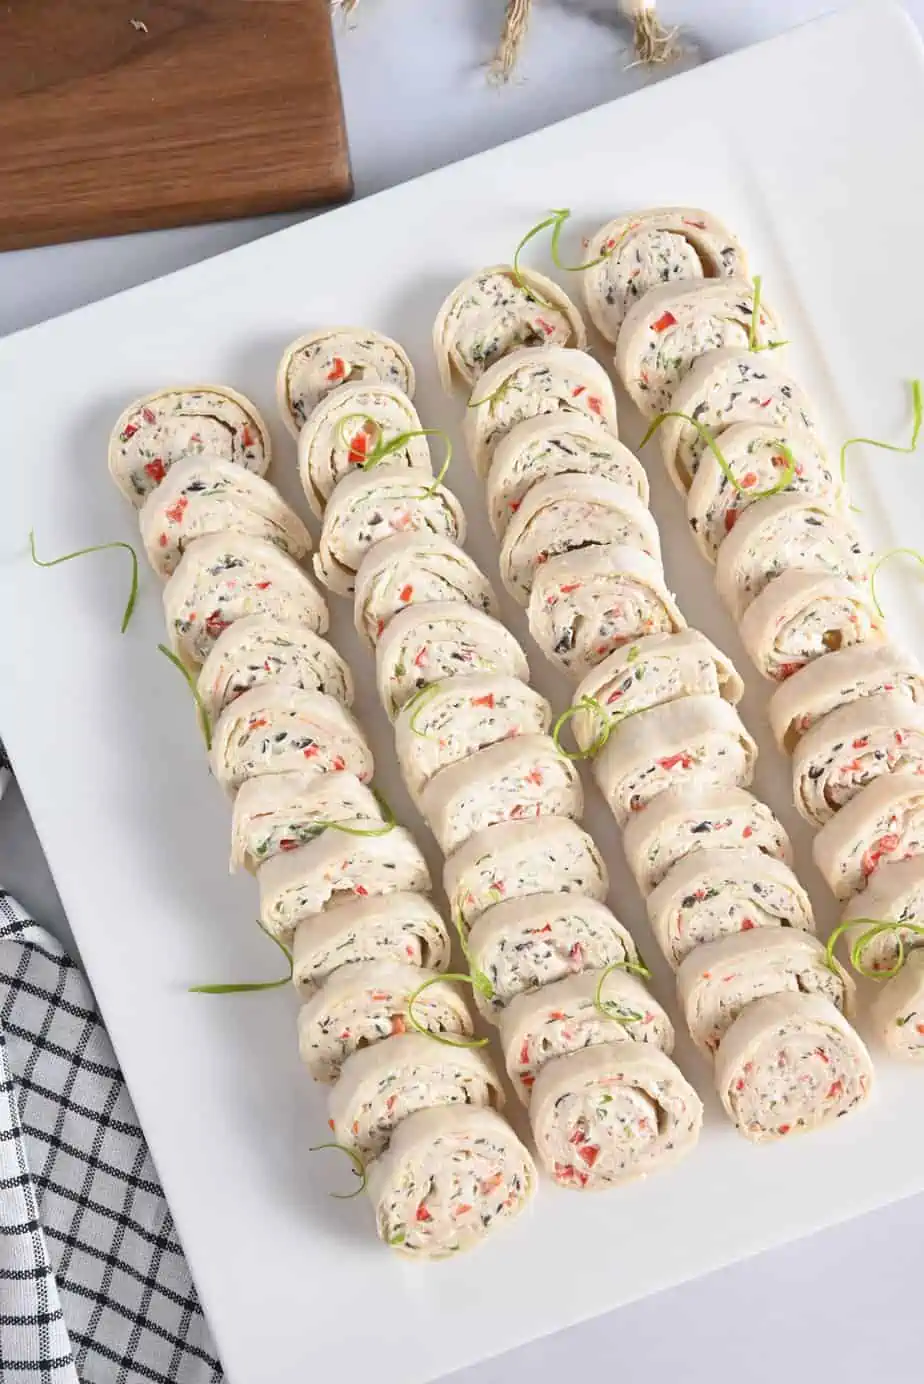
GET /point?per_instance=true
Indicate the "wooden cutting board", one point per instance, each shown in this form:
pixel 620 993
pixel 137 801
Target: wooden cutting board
pixel 123 115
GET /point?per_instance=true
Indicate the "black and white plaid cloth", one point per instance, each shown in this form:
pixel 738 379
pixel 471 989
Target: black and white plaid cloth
pixel 94 1288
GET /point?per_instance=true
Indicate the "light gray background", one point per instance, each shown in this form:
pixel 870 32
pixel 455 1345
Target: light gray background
pixel 843 1305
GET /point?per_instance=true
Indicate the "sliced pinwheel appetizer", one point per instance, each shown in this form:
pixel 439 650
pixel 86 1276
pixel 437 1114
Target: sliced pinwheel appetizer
pixel 569 513
pixel 723 388
pixel 334 870
pixel 203 495
pixel 524 944
pixel 786 533
pixel 788 1064
pixel 760 463
pixel 274 728
pixel 897 1011
pixel 883 824
pixel 314 365
pixel 840 679
pixel 850 747
pixel 396 927
pixel 346 433
pixel 423 645
pixel 162 428
pixel 635 253
pixel 414 569
pixel 370 506
pixel 882 924
pixel 549 856
pixel 259 649
pixel 281 811
pixel 449 1178
pixel 515 780
pixel 654 669
pixel 577 1012
pixel 687 820
pixel 225 577
pixel 556 444
pixel 450 720
pixel 382 1085
pixel 718 980
pixel 360 1006
pixel 587 603
pixel 713 894
pixel 665 333
pixel 697 741
pixel 550 379
pixel 496 311
pixel 801 616
pixel 611 1113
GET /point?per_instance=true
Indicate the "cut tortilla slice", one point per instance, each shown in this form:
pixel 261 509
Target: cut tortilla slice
pixel 414 569
pixel 370 506
pixel 569 1015
pixel 520 779
pixel 524 384
pixel 343 432
pixel 611 1113
pixel 227 577
pixel 698 741
pixel 260 649
pixel 642 250
pixel 789 1064
pixel 667 331
pixel 568 514
pixel 652 670
pixel 585 604
pixel 711 894
pixel 316 364
pixel 274 728
pixel 498 310
pixel 425 644
pixel 802 616
pixel 156 431
pixel 723 388
pixel 204 495
pixel 556 444
pixel 449 1178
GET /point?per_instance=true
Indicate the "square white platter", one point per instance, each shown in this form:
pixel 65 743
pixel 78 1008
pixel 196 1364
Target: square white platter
pixel 809 147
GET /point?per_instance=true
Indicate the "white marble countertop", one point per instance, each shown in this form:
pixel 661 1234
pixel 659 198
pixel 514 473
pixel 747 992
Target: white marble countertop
pixel 416 98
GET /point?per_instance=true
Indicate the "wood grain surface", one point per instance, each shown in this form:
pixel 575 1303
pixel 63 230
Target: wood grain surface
pixel 123 115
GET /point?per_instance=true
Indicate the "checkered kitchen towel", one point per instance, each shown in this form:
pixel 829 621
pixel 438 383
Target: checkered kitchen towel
pixel 94 1288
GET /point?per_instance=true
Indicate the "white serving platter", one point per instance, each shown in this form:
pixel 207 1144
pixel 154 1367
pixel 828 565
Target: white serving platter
pixel 808 146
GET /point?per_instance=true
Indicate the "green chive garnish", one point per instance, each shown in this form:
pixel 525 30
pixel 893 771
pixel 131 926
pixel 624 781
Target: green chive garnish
pixel 450 1040
pixel 916 412
pixel 247 987
pixel 753 343
pixel 605 1007
pixel 96 548
pixel 359 1168
pixel 190 680
pixel 893 552
pixel 876 928
pixel 707 436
